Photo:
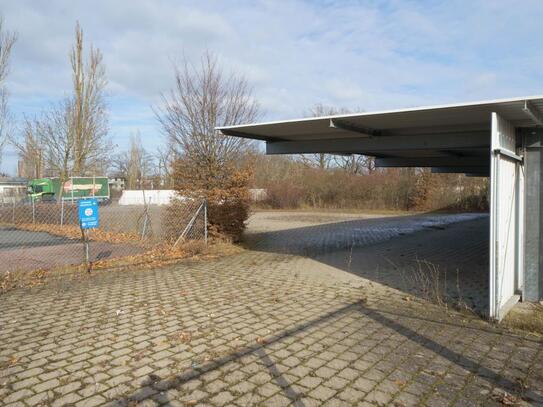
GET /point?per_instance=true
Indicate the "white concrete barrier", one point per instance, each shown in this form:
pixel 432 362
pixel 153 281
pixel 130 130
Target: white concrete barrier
pixel 151 197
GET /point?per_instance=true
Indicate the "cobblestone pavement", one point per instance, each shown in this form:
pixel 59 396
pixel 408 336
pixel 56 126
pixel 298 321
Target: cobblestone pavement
pixel 439 257
pixel 256 328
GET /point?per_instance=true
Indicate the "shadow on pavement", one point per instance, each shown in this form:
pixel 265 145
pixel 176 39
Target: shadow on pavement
pixel 496 380
pixel 442 258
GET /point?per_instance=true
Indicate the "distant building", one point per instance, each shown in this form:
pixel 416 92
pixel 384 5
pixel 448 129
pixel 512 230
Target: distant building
pixel 258 194
pixel 12 190
pixel 117 184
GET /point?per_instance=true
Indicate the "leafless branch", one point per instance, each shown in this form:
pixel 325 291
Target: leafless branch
pixel 7 40
pixel 202 98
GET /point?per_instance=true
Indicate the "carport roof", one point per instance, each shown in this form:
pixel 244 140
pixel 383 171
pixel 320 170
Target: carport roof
pixel 448 138
pixel 451 118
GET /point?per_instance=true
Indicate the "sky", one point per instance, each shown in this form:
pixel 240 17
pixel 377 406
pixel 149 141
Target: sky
pixel 360 55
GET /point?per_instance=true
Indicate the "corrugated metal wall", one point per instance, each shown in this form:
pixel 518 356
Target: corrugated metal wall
pixel 533 269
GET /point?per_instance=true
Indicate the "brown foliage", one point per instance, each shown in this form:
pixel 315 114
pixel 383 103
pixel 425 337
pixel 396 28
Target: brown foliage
pixel 291 184
pixel 74 232
pixel 224 186
pixel 158 256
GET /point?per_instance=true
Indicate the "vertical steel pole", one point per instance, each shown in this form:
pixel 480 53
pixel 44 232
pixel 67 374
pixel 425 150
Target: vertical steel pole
pixel 33 211
pixel 145 213
pixel 87 261
pixel 205 221
pixel 85 241
pixel 61 212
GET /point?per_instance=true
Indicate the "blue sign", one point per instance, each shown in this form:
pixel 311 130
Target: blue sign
pixel 88 213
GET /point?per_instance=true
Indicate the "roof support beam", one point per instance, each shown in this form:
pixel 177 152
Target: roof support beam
pixel 383 144
pixel 533 112
pixel 366 131
pixel 433 162
pixel 234 133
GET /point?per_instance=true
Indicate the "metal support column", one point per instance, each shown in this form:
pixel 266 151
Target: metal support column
pixel 533 242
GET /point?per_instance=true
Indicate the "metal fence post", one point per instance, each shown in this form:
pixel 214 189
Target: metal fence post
pixel 145 215
pixel 13 212
pixel 33 211
pixel 205 221
pixel 61 212
pixel 190 224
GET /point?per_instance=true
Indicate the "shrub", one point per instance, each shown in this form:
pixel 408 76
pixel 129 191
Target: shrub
pixel 291 184
pixel 225 187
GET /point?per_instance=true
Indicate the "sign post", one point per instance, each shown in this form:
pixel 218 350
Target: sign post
pixel 88 219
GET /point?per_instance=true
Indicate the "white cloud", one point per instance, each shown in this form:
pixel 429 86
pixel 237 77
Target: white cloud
pixel 371 55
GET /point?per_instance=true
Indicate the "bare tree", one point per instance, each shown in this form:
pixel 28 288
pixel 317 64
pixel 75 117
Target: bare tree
pixel 88 118
pixel 203 98
pixel 165 158
pixel 351 163
pixel 71 137
pixel 57 140
pixel 30 149
pixel 135 165
pixel 7 40
pixel 355 163
pixel 321 160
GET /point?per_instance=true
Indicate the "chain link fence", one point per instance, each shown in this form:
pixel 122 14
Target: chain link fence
pixel 45 235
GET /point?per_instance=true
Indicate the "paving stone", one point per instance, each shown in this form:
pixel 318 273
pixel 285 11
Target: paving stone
pixel 18 395
pixel 278 400
pixel 325 372
pixel 91 401
pixel 364 384
pixel 29 373
pixel 25 383
pixel 48 385
pixel 310 382
pixel 66 400
pixel 269 327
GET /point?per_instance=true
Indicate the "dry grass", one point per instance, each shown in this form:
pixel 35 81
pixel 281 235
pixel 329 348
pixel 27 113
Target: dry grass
pixel 159 256
pixel 526 316
pixel 433 286
pixel 340 211
pixel 74 232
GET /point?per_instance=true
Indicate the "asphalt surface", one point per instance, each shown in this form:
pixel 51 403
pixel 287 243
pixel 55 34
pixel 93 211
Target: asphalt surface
pixel 22 250
pixel 11 238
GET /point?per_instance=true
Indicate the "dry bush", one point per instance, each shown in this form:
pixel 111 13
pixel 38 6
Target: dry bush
pixel 284 195
pixel 224 186
pixel 449 191
pixel 209 164
pixel 291 184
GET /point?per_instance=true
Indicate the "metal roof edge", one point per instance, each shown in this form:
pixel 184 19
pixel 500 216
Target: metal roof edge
pixel 402 110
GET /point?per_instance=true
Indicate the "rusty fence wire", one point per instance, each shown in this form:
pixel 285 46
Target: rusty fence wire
pixel 42 235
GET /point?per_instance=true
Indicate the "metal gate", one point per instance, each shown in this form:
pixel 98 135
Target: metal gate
pixel 506 218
